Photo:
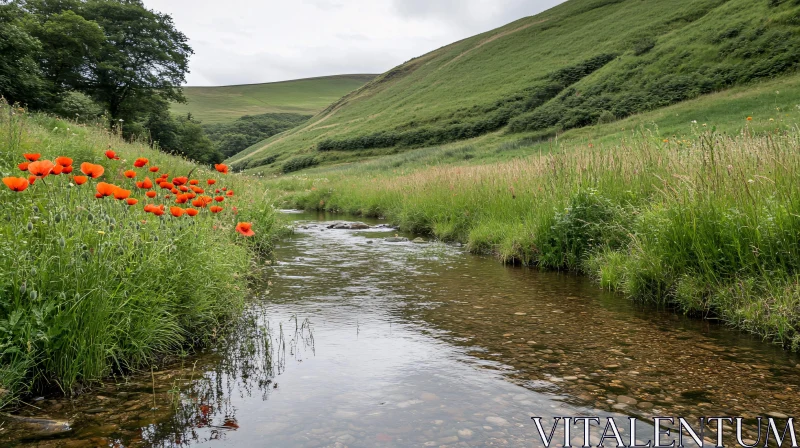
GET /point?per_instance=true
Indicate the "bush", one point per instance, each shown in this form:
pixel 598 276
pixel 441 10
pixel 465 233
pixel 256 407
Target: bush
pixel 78 106
pixel 299 163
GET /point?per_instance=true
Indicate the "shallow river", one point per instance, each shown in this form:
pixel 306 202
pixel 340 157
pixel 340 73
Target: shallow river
pixel 360 342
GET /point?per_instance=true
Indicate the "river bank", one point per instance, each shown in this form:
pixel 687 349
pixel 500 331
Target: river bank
pixel 705 225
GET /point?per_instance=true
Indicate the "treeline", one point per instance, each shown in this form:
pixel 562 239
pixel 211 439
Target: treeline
pixel 109 61
pixel 232 138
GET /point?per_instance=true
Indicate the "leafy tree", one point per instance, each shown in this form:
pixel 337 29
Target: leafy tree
pixel 20 79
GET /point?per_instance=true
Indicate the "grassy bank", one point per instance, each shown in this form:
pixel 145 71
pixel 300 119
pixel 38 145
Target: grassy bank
pixel 707 224
pixel 91 286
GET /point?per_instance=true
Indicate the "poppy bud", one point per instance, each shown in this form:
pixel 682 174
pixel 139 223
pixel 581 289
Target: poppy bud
pixel 33 295
pixel 90 217
pixel 61 242
pixel 30 227
pixel 58 218
pixel 155 238
pixel 34 271
pixel 111 228
pixel 35 209
pixel 23 287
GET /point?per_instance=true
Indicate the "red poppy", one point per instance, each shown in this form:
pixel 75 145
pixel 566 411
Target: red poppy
pixel 105 189
pixel 224 188
pixel 217 191
pixel 219 198
pixel 32 157
pixel 222 168
pixel 229 193
pixel 112 155
pixel 16 183
pixel 211 181
pixel 92 170
pixel 57 170
pixel 215 209
pixel 132 201
pixel 197 190
pixel 194 182
pixel 140 162
pixel 158 210
pixel 191 212
pixel 99 195
pixel 177 211
pixel 153 169
pixel 245 228
pixel 23 166
pixel 183 188
pixel 63 161
pixel 166 185
pixel 180 180
pixel 182 199
pixel 80 180
pixel 145 184
pixel 121 193
pixel 192 194
pixel 31 179
pixel 150 194
pixel 67 169
pixel 198 203
pixel 130 174
pixel 41 168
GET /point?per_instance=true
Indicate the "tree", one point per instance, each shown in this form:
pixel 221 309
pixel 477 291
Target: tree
pixel 20 77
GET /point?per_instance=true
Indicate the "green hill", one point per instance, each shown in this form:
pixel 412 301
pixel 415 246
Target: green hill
pixel 581 63
pixel 301 96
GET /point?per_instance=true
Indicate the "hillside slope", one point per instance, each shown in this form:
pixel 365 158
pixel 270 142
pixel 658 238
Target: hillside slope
pixel 580 63
pixel 301 96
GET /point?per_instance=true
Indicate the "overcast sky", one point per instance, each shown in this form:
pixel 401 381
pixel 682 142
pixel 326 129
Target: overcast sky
pixel 252 41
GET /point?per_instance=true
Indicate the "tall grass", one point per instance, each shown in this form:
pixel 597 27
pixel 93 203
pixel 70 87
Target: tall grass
pixel 93 286
pixel 708 225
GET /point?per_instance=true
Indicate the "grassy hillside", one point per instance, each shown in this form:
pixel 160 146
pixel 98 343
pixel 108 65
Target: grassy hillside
pixel 578 64
pixel 302 96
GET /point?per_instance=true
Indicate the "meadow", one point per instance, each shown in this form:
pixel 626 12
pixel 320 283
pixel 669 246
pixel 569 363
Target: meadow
pixel 705 223
pixel 114 255
pixel 224 104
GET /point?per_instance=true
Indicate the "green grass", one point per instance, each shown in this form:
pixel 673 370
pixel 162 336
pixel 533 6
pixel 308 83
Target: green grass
pixel 90 287
pixel 302 96
pixel 706 223
pixel 531 77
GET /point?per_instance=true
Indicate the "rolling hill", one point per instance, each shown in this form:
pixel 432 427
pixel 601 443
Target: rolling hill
pixel 301 96
pixel 578 64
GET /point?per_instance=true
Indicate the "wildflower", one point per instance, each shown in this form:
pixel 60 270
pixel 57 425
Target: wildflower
pixel 16 183
pixel 222 168
pixel 145 184
pixel 105 189
pixel 192 212
pixel 229 193
pixel 197 190
pixel 182 199
pixel 112 155
pixel 80 180
pixel 121 193
pixel 180 180
pixel 99 195
pixel 175 191
pixel 31 179
pixel 166 186
pixel 177 211
pixel 749 118
pixel 194 182
pixel 63 161
pixel 158 210
pixel 666 140
pixel 57 170
pixel 211 181
pixel 23 166
pixel 32 157
pixel 153 169
pixel 219 198
pixel 41 168
pixel 150 194
pixel 131 201
pixel 140 162
pixel 183 188
pixel 130 174
pixel 67 169
pixel 245 228
pixel 215 209
pixel 198 203
pixel 92 170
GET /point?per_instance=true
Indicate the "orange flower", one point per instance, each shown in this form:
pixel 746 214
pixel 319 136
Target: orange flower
pixel 191 212
pixel 16 183
pixel 121 193
pixel 23 166
pixel 245 228
pixel 182 199
pixel 99 195
pixel 105 189
pixel 140 162
pixel 63 161
pixel 211 181
pixel 130 174
pixel 194 182
pixel 177 211
pixel 166 185
pixel 131 201
pixel 158 210
pixel 146 184
pixel 150 194
pixel 206 199
pixel 112 155
pixel 222 168
pixel 749 118
pixel 31 179
pixel 32 157
pixel 183 188
pixel 219 198
pixel 67 169
pixel 191 194
pixel 197 190
pixel 57 170
pixel 153 169
pixel 229 193
pixel 92 170
pixel 180 180
pixel 198 203
pixel 216 191
pixel 80 180
pixel 215 209
pixel 41 168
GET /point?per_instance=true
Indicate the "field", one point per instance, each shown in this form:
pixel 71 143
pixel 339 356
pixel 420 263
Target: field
pixel 575 65
pixel 302 96
pixel 104 268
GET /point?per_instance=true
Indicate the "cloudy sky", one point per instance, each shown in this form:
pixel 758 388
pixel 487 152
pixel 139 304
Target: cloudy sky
pixel 252 41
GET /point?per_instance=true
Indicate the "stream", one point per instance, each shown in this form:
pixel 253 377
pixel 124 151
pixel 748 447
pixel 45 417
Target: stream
pixel 356 341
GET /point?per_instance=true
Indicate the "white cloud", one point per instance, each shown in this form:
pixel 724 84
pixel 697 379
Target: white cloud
pixel 248 41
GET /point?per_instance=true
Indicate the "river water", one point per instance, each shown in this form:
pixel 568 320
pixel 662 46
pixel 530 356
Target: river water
pixel 355 341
